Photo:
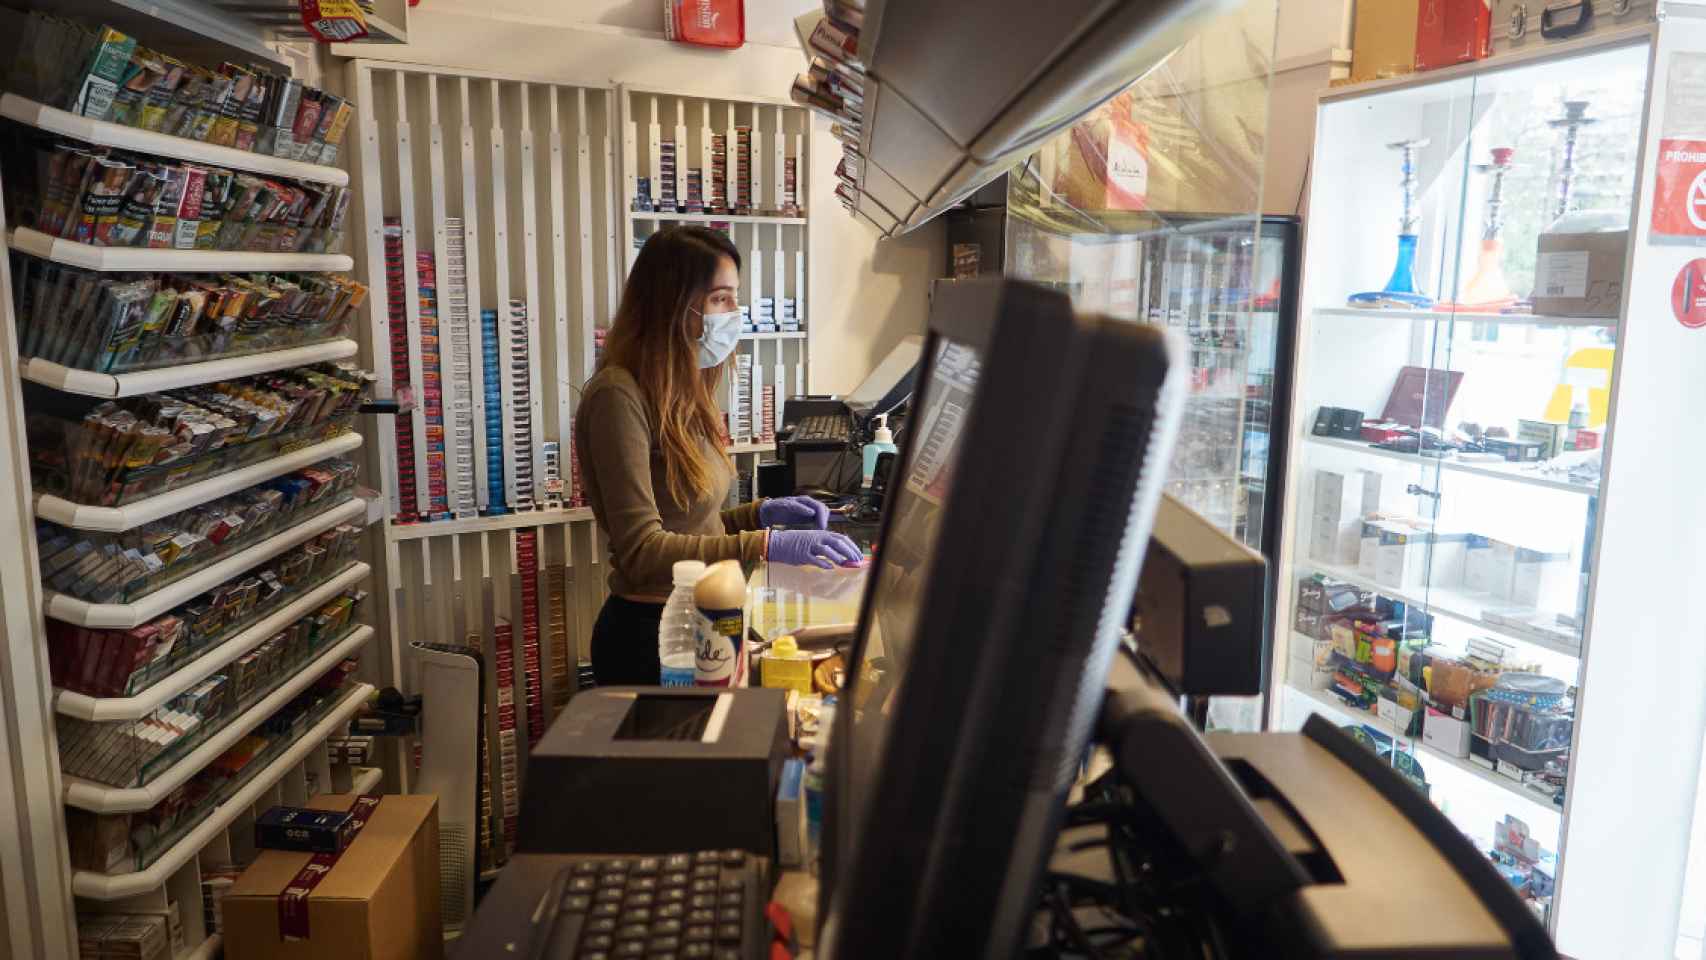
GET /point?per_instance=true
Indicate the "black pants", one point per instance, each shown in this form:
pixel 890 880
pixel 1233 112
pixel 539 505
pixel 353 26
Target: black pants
pixel 625 643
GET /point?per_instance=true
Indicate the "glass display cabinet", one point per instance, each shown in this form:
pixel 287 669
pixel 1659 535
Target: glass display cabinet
pixel 1488 511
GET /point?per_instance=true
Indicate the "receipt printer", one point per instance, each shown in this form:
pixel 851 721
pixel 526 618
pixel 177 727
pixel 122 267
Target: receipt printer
pixel 657 770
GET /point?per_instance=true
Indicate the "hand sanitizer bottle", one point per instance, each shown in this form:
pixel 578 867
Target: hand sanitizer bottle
pixel 884 443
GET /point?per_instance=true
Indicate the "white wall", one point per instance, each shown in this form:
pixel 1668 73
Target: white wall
pixel 863 295
pixel 1310 41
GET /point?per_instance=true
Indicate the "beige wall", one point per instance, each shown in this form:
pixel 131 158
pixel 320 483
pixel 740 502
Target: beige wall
pixel 863 295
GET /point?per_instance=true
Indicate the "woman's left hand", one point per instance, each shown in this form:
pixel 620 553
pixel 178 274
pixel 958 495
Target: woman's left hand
pixel 793 512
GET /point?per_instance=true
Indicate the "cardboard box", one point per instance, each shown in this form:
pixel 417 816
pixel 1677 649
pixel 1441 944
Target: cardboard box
pixel 1452 31
pixel 1399 717
pixel 1368 548
pixel 1489 566
pixel 1346 496
pixel 1333 542
pixel 1580 274
pixel 1383 42
pixel 379 901
pixel 1400 559
pixel 1544 580
pixel 1446 732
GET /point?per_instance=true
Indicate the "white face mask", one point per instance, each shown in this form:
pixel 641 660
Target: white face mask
pixel 722 332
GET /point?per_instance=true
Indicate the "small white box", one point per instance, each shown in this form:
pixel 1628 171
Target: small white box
pixel 1400 559
pixel 1446 557
pixel 1543 580
pixel 1334 542
pixel 1368 548
pixel 1446 733
pixel 1399 717
pixel 1346 496
pixel 1489 566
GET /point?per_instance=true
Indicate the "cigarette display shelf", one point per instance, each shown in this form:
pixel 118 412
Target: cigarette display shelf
pixel 112 385
pixel 645 215
pixel 793 335
pixel 1494 469
pixel 103 798
pixel 115 519
pixel 1465 316
pixel 108 134
pixel 517 520
pixel 1458 605
pixel 126 615
pixel 1339 712
pixel 117 886
pixel 145 259
pixel 192 672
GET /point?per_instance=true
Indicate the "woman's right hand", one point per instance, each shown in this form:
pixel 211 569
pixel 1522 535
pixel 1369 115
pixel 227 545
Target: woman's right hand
pixel 823 548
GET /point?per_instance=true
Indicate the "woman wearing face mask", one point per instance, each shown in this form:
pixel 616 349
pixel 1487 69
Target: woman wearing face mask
pixel 649 437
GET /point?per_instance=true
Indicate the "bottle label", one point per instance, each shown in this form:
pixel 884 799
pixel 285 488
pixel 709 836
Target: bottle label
pixel 669 676
pixel 719 653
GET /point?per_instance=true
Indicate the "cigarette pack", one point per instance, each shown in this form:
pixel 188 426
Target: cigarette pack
pixel 304 829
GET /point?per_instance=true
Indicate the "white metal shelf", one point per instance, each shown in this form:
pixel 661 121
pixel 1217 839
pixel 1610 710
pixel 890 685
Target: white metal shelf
pixel 101 798
pixel 71 253
pixel 792 335
pixel 108 134
pixel 1343 713
pixel 1497 471
pixel 85 707
pixel 91 384
pixel 718 218
pixel 116 886
pixel 1454 604
pixel 58 606
pixel 1465 316
pixel 519 520
pixel 116 519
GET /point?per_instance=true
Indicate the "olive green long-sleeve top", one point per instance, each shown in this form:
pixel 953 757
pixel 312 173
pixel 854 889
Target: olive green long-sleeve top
pixel 623 472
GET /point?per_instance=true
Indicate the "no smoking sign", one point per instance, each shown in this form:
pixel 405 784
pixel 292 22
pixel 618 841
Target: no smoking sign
pixel 1679 191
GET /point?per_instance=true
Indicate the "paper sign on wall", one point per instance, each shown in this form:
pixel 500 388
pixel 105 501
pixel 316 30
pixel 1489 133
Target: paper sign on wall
pixel 1679 191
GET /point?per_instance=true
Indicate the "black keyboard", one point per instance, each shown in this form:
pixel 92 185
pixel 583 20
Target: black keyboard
pixel 825 426
pixel 708 904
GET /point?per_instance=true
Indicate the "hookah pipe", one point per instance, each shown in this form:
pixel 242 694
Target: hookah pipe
pixel 1574 119
pixel 1401 291
pixel 1487 291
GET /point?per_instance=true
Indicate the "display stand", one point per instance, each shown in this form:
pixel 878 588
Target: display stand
pixel 43 894
pixel 1542 437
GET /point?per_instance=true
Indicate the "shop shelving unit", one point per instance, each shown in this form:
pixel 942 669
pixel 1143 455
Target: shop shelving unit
pixel 43 894
pixel 773 241
pixel 1620 827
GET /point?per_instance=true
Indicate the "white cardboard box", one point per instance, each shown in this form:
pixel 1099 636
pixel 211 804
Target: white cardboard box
pixel 1543 580
pixel 1389 710
pixel 1446 733
pixel 1489 566
pixel 1346 496
pixel 1368 550
pixel 1333 541
pixel 1400 559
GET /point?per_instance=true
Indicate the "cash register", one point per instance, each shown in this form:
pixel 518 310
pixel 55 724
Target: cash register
pixel 979 672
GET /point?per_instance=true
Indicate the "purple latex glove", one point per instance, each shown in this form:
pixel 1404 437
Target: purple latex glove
pixel 806 547
pixel 793 512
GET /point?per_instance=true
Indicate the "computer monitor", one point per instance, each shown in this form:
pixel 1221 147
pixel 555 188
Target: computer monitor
pixel 891 383
pixel 1015 528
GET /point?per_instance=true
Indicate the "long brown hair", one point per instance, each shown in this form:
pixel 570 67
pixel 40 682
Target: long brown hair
pixel 650 338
